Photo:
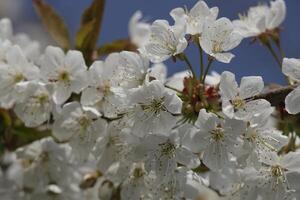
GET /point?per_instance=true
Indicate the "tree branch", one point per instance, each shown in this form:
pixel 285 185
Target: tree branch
pixel 275 96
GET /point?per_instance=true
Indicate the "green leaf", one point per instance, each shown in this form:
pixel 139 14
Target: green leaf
pixel 53 23
pixel 88 33
pixel 116 46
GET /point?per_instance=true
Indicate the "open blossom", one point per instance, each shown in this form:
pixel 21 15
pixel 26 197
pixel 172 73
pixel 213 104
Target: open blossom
pixel 165 41
pixel 291 68
pixel 48 171
pixel 261 18
pixel 66 73
pixel 129 68
pixel 15 70
pixel 153 109
pixel 34 105
pixel 216 138
pixel 271 179
pixel 195 18
pixel 105 81
pixel 162 153
pixel 235 100
pixel 75 120
pixel 219 37
pixel 258 139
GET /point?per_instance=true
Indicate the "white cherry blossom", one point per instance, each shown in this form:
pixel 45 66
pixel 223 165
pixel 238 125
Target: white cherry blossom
pixel 195 18
pixel 237 102
pixel 79 125
pixel 67 73
pixel 104 91
pixel 165 41
pixel 261 18
pixel 34 104
pixel 153 109
pixel 272 178
pixel 219 37
pixel 14 71
pixel 216 138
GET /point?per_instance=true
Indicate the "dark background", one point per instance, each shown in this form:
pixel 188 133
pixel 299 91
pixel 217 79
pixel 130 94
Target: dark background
pixel 251 59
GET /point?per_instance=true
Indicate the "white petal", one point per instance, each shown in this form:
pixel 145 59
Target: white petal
pixel 224 57
pixel 291 68
pixel 291 161
pixel 228 85
pixel 90 96
pixel 292 100
pixel 250 86
pixel 61 94
pixel 187 158
pixel 215 157
pixel 206 121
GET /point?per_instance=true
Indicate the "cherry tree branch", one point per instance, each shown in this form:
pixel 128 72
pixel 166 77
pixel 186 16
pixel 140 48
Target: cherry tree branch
pixel 275 96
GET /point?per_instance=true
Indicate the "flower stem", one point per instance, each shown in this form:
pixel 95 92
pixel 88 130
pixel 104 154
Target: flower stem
pixel 210 61
pixel 172 88
pixel 201 60
pixel 186 60
pixel 278 61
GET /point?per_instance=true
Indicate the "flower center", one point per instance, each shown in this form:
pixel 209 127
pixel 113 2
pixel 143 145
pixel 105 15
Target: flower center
pixel 167 148
pixel 64 76
pixel 218 134
pixel 155 106
pixel 18 77
pixel 217 47
pixel 277 171
pixel 84 122
pixel 238 103
pixel 138 172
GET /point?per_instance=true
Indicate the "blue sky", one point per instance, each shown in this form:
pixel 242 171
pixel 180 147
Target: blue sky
pixel 251 59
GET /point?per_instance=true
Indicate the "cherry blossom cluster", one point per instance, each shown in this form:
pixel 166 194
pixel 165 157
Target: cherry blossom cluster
pixel 120 127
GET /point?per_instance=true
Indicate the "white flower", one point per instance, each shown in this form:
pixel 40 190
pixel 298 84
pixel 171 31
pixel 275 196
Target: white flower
pixel 154 108
pixel 14 71
pixel 195 18
pixel 291 68
pixel 139 31
pixel 259 139
pixel 79 125
pixel 217 138
pixel 261 18
pixel 112 146
pixel 138 184
pixel 67 73
pixel 165 41
pixel 218 37
pixel 48 171
pixel 236 101
pixel 162 153
pixel 34 104
pixel 129 68
pixel 271 179
pixel 104 89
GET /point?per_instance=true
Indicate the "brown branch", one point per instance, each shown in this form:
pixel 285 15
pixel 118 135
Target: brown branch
pixel 275 96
